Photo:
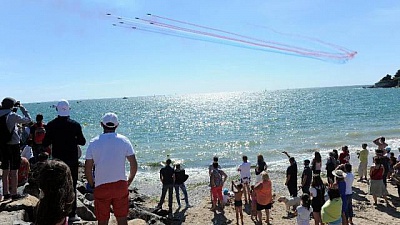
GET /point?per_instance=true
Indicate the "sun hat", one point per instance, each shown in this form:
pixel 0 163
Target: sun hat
pixel 110 120
pixel 338 173
pixel 63 108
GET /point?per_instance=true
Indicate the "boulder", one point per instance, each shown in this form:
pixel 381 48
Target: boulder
pixel 137 222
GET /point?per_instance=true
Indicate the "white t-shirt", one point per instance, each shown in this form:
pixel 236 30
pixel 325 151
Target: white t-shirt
pixel 245 170
pixel 349 178
pixel 109 152
pixel 27 152
pixel 303 215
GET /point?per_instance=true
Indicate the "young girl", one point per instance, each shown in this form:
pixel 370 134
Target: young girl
pixel 238 201
pixel 253 204
pixel 304 210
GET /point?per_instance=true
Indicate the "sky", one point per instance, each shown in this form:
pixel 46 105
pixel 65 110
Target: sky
pixel 69 49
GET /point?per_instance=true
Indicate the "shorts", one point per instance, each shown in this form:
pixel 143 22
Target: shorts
pixel 238 203
pixel 261 207
pixel 111 194
pixel 245 180
pixel 11 157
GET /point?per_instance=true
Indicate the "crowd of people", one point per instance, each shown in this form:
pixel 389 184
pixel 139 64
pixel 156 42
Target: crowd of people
pixel 26 146
pixel 327 202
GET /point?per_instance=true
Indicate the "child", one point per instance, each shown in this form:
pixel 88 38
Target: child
pixel 225 196
pixel 253 204
pixel 304 210
pixel 238 201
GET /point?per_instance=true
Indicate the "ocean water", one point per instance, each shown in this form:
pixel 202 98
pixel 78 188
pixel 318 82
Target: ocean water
pixel 191 129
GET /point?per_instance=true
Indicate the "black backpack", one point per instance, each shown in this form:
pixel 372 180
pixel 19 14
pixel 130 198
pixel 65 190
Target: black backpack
pixel 5 134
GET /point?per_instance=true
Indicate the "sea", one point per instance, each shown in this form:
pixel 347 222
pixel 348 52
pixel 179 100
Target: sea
pixel 192 129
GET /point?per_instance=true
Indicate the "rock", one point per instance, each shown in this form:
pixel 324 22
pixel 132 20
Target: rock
pixel 84 212
pixel 137 222
pixel 8 217
pixel 27 205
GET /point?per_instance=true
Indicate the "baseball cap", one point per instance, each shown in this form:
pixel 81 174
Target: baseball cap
pixel 110 120
pixel 63 108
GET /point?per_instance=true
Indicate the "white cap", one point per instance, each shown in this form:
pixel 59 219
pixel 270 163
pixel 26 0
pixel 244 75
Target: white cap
pixel 110 120
pixel 63 108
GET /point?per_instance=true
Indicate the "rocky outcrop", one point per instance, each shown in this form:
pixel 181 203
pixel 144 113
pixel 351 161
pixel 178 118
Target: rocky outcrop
pixel 22 211
pixel 388 81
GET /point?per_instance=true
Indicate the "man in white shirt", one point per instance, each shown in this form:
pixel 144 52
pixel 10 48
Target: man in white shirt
pixel 245 176
pixel 109 152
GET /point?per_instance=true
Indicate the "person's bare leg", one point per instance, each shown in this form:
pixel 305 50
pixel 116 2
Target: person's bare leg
pixel 259 215
pixel 267 213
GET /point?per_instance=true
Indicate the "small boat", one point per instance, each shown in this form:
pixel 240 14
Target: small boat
pixel 125 98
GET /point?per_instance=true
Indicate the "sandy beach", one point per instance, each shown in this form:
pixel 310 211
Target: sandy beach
pixel 365 212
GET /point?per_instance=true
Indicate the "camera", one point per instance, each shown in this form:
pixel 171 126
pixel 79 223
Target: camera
pixel 17 104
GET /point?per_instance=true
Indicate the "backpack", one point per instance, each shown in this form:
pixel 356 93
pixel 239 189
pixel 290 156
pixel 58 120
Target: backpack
pixel 216 177
pixel 39 134
pixel 5 134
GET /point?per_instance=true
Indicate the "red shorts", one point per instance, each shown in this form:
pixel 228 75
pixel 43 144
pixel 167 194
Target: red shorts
pixel 111 194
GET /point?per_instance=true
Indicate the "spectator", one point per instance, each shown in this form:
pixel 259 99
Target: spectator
pixel 167 180
pixel 291 176
pixel 306 177
pixel 180 178
pixel 349 179
pixel 10 146
pixel 331 211
pixel 264 196
pixel 380 142
pixel 64 135
pixel 245 178
pixel 316 163
pixel 109 152
pixel 344 156
pixel 377 187
pixel 317 192
pixel 331 164
pixel 363 157
pixel 218 178
pixel 261 166
pixel 54 206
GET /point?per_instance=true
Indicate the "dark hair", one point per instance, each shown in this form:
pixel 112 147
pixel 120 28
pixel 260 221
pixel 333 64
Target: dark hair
pixel 316 181
pixel 215 165
pixel 317 157
pixel 215 159
pixel 244 158
pixel 260 158
pixel 333 193
pixel 305 198
pixel 43 156
pixel 348 167
pixel 377 160
pixel 55 183
pixel 39 117
pixel 178 166
pixel 168 162
pixel 291 159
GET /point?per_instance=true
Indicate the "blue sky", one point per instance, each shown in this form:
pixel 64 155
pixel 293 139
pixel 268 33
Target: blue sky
pixel 69 49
